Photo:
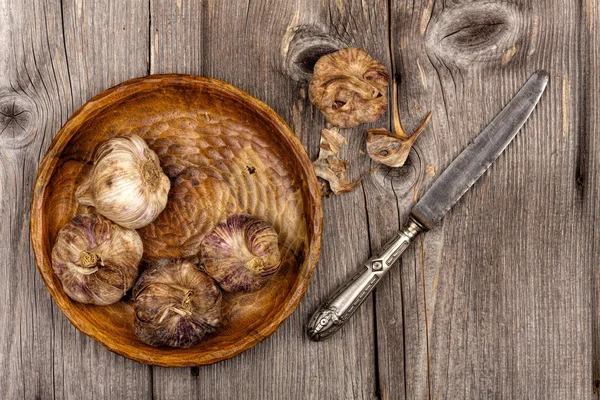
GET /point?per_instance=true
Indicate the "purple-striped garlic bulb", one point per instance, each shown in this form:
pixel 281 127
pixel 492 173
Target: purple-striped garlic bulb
pixel 96 260
pixel 241 254
pixel 175 304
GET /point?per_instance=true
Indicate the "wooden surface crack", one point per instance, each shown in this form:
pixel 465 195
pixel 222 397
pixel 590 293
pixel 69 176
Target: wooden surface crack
pixel 505 305
pixel 425 314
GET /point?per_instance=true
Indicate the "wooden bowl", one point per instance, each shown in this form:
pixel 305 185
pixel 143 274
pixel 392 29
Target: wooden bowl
pixel 189 120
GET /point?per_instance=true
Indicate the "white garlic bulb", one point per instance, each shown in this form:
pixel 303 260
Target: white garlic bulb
pixel 126 184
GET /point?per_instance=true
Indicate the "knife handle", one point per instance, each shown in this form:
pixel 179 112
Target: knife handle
pixel 344 302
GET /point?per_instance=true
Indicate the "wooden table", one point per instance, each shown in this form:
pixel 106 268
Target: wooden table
pixel 499 301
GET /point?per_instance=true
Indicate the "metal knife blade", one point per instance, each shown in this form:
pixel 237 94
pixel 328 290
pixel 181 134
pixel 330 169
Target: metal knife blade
pixel 464 171
pixel 444 193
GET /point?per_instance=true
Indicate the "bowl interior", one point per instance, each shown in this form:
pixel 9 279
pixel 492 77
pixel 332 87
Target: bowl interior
pixel 189 120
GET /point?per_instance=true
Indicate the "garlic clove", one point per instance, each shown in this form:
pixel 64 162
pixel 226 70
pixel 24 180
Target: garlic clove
pixel 241 254
pixel 175 305
pixel 96 260
pixel 126 184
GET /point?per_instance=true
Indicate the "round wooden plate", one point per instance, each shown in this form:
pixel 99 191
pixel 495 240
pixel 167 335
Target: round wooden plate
pixel 189 120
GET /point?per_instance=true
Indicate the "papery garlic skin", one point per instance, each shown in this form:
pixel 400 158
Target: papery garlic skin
pixel 126 184
pixel 96 260
pixel 389 148
pixel 330 168
pixel 349 87
pixel 241 254
pixel 175 305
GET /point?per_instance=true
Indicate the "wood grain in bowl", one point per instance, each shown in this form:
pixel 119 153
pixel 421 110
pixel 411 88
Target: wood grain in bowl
pixel 189 121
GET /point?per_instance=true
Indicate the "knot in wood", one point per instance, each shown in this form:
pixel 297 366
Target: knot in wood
pixel 16 121
pixel 301 48
pixel 403 181
pixel 474 35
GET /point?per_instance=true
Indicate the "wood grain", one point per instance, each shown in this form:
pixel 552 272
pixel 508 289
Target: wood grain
pixel 206 123
pixel 242 44
pixel 45 76
pixel 589 167
pixel 502 300
pixel 26 95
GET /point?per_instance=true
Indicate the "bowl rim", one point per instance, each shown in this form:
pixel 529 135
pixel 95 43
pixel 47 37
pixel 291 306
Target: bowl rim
pixel 48 166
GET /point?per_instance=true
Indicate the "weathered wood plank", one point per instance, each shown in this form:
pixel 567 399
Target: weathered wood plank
pixel 241 43
pixel 590 171
pixel 56 56
pixel 106 43
pixel 500 300
pixel 504 275
pixel 176 34
pixel 400 301
pixel 33 81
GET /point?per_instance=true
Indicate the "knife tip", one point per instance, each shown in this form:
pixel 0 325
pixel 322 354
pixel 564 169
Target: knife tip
pixel 542 75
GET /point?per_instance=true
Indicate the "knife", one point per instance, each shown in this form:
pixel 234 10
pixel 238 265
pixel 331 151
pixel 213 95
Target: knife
pixel 443 194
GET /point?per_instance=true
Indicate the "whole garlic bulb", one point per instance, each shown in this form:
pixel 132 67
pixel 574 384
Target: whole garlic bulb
pixel 241 253
pixel 126 184
pixel 175 304
pixel 96 260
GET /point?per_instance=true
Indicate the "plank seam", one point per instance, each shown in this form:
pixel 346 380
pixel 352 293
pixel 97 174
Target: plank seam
pixel 425 314
pixel 374 297
pixel 149 70
pixel 62 24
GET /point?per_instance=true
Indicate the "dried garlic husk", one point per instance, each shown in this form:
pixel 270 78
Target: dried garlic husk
pixel 389 148
pixel 126 184
pixel 330 168
pixel 241 253
pixel 331 142
pixel 349 87
pixel 96 260
pixel 175 305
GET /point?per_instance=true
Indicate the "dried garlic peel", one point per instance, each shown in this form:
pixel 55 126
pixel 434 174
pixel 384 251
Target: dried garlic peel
pixel 329 167
pixel 349 87
pixel 389 148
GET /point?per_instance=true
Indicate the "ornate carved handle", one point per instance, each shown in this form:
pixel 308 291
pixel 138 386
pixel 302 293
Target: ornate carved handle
pixel 344 302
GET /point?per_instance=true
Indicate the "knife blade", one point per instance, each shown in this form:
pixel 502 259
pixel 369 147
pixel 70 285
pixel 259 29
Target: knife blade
pixel 456 179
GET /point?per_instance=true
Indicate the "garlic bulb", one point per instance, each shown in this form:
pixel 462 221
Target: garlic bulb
pixel 175 304
pixel 241 253
pixel 126 184
pixel 96 260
